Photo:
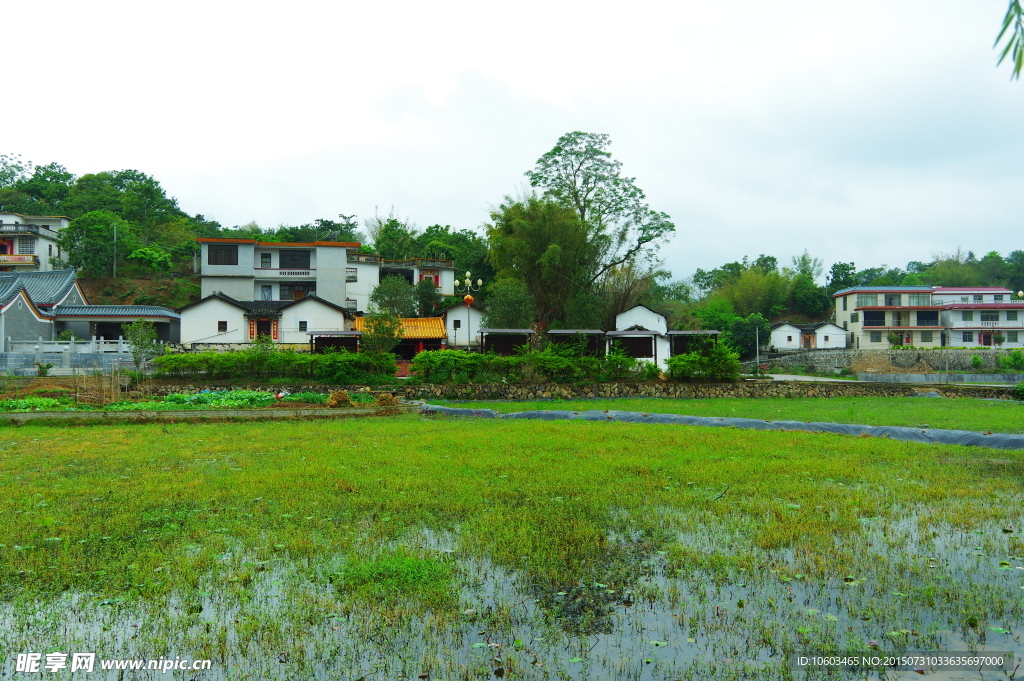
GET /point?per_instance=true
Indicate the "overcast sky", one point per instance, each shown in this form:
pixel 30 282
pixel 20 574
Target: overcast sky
pixel 877 131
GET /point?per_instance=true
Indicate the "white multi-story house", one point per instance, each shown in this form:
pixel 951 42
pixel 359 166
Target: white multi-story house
pixel 240 271
pixel 979 315
pixel 27 242
pixel 928 316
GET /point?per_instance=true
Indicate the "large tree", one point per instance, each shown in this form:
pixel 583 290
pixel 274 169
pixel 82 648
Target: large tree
pixel 579 173
pixel 394 296
pixel 545 245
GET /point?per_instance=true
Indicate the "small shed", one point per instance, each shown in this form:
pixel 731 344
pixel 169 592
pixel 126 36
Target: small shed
pixel 339 340
pixel 788 336
pixel 593 339
pixel 682 342
pixel 462 322
pixel 641 343
pixel 504 341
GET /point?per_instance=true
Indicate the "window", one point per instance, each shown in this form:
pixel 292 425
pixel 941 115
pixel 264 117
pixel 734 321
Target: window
pixel 998 297
pixel 26 245
pixel 978 298
pixel 968 337
pixel 302 326
pixel 963 299
pixel 844 326
pixel 844 303
pixel 1011 336
pixel 927 336
pixel 874 318
pixel 826 339
pixel 297 291
pixel 1011 315
pixel 920 299
pixel 876 336
pixel 293 260
pixel 893 299
pixel 267 292
pixel 351 274
pixel 855 317
pixel 222 254
pixel 350 304
pixel 789 339
pixel 867 299
pixel 987 316
pixel 456 323
pixel 431 274
pixel 222 327
pixel 265 260
pixel 967 316
pixel 50 253
pixel 927 318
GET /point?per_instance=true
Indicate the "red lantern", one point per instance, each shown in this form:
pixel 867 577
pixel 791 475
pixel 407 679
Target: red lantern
pixel 468 299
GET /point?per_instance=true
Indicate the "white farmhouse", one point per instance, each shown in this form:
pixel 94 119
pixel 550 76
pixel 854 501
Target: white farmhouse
pixel 641 332
pixel 27 242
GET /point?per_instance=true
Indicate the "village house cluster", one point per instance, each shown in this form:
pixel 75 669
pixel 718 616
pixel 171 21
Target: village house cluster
pixel 314 295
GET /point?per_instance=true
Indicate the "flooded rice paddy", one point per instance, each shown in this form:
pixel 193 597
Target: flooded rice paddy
pixel 448 550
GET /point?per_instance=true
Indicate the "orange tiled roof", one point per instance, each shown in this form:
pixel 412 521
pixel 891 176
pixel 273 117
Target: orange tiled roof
pixel 414 327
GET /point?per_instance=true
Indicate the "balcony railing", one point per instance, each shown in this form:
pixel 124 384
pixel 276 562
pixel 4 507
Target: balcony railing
pixel 418 262
pixel 958 324
pixel 284 273
pixel 19 260
pixel 363 257
pixel 22 228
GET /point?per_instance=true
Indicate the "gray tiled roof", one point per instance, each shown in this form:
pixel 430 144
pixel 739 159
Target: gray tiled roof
pixel 265 307
pixel 114 311
pixel 44 288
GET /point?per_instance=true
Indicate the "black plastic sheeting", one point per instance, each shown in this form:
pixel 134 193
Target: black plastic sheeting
pixel 935 436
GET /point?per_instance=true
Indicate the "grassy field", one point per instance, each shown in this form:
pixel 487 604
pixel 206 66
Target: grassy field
pixel 1002 416
pixel 388 548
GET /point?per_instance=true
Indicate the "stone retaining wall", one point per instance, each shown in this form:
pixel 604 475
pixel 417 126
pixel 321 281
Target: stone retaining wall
pixel 535 391
pixel 940 359
pixel 692 390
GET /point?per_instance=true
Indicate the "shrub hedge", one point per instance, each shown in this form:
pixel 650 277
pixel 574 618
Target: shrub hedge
pixel 342 368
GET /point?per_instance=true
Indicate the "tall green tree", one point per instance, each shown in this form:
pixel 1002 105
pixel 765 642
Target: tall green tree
pixel 91 243
pixel 394 296
pixel 579 173
pixel 508 305
pixel 427 297
pixel 545 245
pixel 841 275
pixel 748 331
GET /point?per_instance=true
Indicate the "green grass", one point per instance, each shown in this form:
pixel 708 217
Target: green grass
pixel 402 545
pixel 1002 416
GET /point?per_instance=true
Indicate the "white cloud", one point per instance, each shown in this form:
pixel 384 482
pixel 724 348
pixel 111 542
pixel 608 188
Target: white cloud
pixel 872 131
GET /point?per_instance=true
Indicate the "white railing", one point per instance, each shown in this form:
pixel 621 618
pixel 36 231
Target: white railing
pixel 283 273
pixel 119 346
pixel 960 324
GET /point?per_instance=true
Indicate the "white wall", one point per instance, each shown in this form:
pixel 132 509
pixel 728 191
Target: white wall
pixel 836 337
pixel 318 317
pixel 470 324
pixel 785 337
pixel 331 262
pixel 199 323
pixel 641 316
pixel 367 277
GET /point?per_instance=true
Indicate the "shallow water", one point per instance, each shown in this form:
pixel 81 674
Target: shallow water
pixel 913 586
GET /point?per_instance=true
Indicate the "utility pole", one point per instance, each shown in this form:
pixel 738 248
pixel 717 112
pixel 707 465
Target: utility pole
pixel 115 252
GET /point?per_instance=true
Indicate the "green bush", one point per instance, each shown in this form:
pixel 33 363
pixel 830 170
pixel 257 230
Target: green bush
pixel 977 362
pixel 557 363
pixel 343 368
pixel 1013 361
pixel 715 363
pixel 1018 392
